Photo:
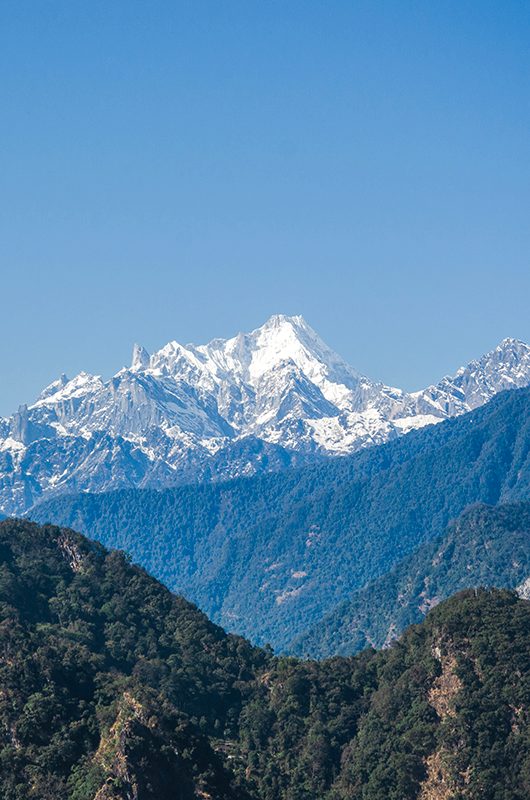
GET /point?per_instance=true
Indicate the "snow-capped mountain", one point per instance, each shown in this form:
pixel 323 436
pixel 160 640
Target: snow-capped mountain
pixel 259 401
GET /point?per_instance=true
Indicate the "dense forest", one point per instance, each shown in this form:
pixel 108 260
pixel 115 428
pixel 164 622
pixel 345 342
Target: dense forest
pixel 486 546
pixel 112 688
pixel 268 556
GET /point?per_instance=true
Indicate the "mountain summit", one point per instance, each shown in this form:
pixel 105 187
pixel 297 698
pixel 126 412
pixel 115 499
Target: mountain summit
pixel 258 401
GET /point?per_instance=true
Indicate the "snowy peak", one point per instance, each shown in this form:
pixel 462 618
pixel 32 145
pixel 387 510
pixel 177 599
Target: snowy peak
pixel 53 387
pixel 283 338
pixel 244 361
pixel 250 358
pixel 510 357
pixel 190 411
pixel 509 342
pixel 64 389
pixel 140 357
pixel 249 355
pixel 505 367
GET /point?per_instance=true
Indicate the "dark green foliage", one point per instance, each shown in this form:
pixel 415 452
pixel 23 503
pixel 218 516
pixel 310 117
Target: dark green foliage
pixel 84 637
pixel 268 556
pixel 470 651
pixel 112 688
pixel 486 546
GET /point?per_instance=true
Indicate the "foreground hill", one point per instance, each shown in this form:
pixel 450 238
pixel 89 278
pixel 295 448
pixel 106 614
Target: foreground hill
pixel 486 546
pixel 114 689
pixel 258 402
pixel 268 556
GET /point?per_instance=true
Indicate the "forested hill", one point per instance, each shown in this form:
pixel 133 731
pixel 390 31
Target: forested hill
pixel 114 689
pixel 486 546
pixel 268 556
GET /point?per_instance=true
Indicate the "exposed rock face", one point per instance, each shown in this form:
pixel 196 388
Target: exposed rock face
pixel 71 551
pixel 524 589
pixel 446 687
pixel 437 785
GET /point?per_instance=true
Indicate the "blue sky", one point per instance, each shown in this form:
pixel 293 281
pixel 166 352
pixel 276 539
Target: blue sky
pixel 185 169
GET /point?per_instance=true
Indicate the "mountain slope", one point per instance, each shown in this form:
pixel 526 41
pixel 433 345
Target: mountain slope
pixel 113 689
pixel 87 644
pixel 486 546
pixel 190 413
pixel 269 555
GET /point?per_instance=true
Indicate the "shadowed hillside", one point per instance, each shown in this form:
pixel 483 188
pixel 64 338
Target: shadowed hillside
pixel 486 546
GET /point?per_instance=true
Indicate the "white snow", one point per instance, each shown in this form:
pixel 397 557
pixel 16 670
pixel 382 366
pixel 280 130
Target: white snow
pixel 280 383
pixel 406 424
pixel 82 384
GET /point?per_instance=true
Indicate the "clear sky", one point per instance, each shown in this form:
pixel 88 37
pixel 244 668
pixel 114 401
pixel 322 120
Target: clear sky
pixel 182 170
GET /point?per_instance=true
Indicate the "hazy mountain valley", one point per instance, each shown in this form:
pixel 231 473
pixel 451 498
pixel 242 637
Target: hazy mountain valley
pixel 271 555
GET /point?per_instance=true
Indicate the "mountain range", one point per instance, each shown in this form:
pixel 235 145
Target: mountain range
pixel 270 555
pixel 262 401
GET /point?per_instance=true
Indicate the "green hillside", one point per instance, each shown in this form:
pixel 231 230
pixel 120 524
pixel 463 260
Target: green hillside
pixel 111 688
pixel 486 546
